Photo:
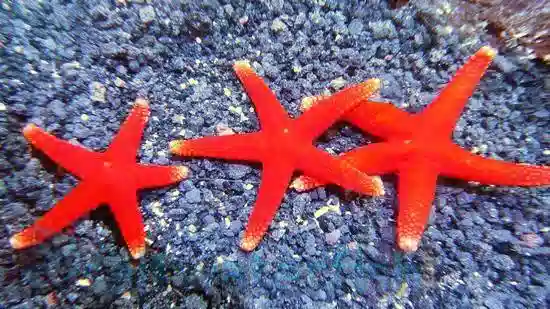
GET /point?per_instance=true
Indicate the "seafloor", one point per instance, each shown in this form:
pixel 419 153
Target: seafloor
pixel 75 67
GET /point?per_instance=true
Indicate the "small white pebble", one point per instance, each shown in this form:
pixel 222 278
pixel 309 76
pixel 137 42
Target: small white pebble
pixel 227 92
pixel 120 83
pixel 338 83
pixel 19 49
pixel 83 282
pixel 2 107
pixel 155 208
pixel 243 20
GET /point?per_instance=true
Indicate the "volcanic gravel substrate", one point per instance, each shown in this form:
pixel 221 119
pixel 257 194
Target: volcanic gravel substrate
pixel 75 67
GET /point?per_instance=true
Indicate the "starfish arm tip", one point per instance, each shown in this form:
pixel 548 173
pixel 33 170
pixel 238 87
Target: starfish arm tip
pixel 250 242
pixel 28 130
pixel 375 82
pixel 180 172
pixel 308 102
pixel 242 65
pixel 175 146
pixel 137 251
pixel 378 186
pixel 297 184
pixel 487 51
pixel 141 102
pixel 409 243
pixel 17 241
pixel 371 85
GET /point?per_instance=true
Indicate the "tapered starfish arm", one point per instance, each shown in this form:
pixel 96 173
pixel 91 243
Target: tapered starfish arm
pixel 275 178
pixel 245 147
pixel 467 166
pixel 382 120
pixel 74 205
pixel 124 206
pixel 127 141
pixel 270 111
pixel 416 187
pixel 69 156
pixel 374 159
pixel 331 108
pixel 151 176
pixel 327 168
pixel 443 113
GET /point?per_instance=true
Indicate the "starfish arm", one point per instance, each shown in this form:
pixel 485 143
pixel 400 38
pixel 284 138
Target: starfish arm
pixel 245 147
pixel 69 156
pixel 126 143
pixel 82 199
pixel 275 178
pixel 319 117
pixel 382 120
pixel 327 168
pixel 443 113
pixel 125 208
pixel 465 165
pixel 152 176
pixel 374 159
pixel 269 110
pixel 416 187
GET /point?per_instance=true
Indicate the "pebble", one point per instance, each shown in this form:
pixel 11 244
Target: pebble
pixel 383 29
pixel 193 196
pixel 238 171
pixel 99 286
pixel 355 27
pixel 98 92
pixel 277 25
pixel 502 262
pixel 147 14
pixel 347 265
pixel 363 286
pixel 332 237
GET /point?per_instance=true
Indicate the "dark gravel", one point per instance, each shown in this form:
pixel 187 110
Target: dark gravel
pixel 74 68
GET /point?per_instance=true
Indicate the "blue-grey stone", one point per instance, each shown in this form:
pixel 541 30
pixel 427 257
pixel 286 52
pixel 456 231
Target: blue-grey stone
pixel 193 196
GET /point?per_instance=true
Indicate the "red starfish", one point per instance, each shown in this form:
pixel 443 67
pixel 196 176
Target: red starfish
pixel 111 177
pixel 419 148
pixel 283 146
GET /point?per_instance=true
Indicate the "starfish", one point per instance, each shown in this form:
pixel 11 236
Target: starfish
pixel 419 147
pixel 111 177
pixel 282 146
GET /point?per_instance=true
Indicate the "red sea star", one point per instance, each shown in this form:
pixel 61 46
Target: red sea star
pixel 111 177
pixel 419 148
pixel 283 146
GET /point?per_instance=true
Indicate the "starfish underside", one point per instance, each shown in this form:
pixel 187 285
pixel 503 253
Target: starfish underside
pixel 112 177
pixel 419 148
pixel 283 146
